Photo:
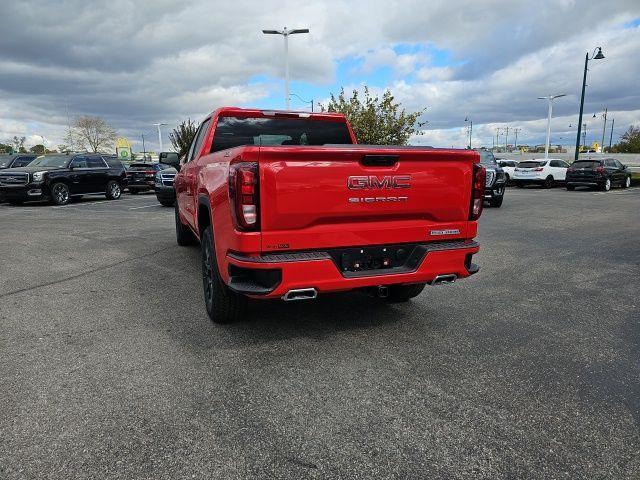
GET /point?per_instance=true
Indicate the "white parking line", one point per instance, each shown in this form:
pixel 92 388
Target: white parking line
pixel 81 204
pixel 145 206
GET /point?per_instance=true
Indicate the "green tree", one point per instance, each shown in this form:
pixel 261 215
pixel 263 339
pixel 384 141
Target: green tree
pixel 375 120
pixel 182 136
pixel 5 148
pixel 37 149
pixel 629 141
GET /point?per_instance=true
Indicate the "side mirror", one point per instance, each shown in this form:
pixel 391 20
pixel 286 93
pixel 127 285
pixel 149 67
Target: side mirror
pixel 171 159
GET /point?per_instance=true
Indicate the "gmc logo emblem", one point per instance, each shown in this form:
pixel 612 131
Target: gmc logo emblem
pixel 372 182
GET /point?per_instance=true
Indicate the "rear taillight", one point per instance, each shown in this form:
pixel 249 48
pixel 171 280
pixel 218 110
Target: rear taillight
pixel 600 170
pixel 244 195
pixel 477 191
pixel 539 169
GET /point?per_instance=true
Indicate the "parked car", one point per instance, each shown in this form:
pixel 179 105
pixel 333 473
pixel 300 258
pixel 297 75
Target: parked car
pixel 600 173
pixel 17 160
pixel 546 172
pixel 285 205
pixel 496 179
pixel 508 167
pixel 141 177
pixel 59 178
pixel 165 193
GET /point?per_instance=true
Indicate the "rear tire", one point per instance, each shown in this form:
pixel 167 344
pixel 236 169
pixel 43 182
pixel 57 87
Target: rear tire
pixel 548 182
pixel 114 190
pixel 606 186
pixel 627 182
pixel 184 237
pixel 496 202
pixel 223 305
pixel 403 293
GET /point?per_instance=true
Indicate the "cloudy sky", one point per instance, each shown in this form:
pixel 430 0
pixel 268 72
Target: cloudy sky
pixel 138 63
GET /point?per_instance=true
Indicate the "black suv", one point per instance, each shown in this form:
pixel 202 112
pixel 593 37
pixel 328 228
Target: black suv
pixel 601 173
pixel 58 178
pixel 142 176
pixel 18 160
pixel 496 179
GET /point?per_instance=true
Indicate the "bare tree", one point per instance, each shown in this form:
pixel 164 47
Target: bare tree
pixel 18 143
pixel 92 134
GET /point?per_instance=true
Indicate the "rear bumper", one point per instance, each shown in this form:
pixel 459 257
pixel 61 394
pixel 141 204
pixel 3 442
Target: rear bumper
pixel 585 180
pixel 319 271
pixel 141 185
pixel 165 193
pixel 531 180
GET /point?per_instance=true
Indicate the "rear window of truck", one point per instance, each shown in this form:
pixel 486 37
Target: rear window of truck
pixel 237 131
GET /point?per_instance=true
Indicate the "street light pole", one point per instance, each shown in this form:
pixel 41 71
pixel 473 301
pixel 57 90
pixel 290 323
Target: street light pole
pixel 310 102
pixel 613 121
pixel 159 134
pixel 550 99
pixel 596 56
pixel 144 150
pixel 470 128
pixel 506 137
pixel 604 128
pixel 285 33
pixel 516 130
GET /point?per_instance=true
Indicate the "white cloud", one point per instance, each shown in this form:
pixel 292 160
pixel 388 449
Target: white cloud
pixel 136 63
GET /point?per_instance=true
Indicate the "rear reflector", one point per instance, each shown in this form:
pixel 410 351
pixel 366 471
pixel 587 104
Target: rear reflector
pixel 244 195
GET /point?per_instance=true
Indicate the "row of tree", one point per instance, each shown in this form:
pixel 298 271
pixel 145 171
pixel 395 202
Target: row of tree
pixel 374 120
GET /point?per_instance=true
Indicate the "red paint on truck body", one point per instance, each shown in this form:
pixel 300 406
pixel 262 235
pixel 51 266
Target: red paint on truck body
pixel 316 198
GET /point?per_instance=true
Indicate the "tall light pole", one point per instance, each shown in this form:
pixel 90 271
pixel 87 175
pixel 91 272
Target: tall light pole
pixel 550 99
pixel 160 134
pixel 516 131
pixel 604 128
pixel 310 102
pixel 466 119
pixel 506 138
pixel 594 56
pixel 613 121
pixel 285 33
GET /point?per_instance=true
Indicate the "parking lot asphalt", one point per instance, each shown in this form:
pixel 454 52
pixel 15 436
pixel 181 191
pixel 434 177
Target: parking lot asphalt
pixel 110 368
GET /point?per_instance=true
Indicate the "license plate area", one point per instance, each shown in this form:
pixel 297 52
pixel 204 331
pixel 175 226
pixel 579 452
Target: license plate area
pixel 378 260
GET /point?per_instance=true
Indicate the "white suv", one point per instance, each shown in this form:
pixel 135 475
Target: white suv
pixel 541 171
pixel 508 166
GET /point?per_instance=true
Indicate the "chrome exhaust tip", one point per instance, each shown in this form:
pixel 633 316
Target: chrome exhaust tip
pixel 444 279
pixel 300 294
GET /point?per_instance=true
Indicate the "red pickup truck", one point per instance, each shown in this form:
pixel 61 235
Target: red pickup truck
pixel 287 205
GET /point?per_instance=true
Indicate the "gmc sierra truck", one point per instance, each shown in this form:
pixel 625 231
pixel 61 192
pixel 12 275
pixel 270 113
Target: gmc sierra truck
pixel 286 205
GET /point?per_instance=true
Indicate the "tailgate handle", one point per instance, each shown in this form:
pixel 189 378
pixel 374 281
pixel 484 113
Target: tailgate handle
pixel 379 160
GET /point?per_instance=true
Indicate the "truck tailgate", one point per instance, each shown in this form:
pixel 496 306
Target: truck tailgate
pixel 322 197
